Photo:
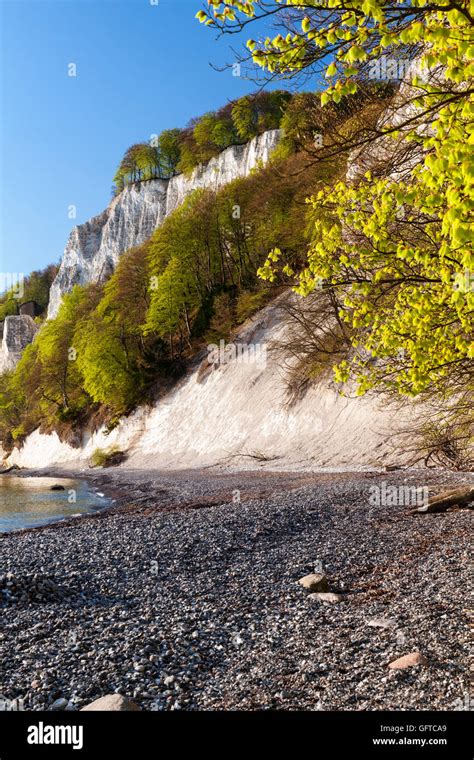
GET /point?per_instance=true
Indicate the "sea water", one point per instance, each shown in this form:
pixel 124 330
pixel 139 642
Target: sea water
pixel 30 502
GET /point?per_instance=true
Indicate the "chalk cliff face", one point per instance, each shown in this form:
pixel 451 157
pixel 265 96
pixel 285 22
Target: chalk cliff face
pixel 236 414
pixel 18 332
pixel 94 248
pixel 236 161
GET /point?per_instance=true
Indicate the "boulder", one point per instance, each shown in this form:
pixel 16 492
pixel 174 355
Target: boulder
pixel 111 703
pixel 314 582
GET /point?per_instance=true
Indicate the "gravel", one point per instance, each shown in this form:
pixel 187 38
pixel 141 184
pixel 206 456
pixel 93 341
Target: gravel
pixel 188 599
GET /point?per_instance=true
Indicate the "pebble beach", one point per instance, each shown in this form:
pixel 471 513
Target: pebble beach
pixel 186 596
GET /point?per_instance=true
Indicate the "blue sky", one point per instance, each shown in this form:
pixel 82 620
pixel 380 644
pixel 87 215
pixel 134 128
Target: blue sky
pixel 141 68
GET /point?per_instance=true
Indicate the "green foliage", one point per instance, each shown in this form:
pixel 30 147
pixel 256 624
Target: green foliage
pixel 235 123
pixel 55 352
pixel 204 257
pixel 112 356
pixel 9 305
pixel 222 320
pixel 35 288
pixel 107 457
pixel 13 408
pixel 399 286
pixel 141 161
pixel 398 252
pixel 184 269
pixel 213 132
pixel 46 386
pixel 249 302
pixel 300 121
pixel 258 113
pixel 305 119
pixel 169 151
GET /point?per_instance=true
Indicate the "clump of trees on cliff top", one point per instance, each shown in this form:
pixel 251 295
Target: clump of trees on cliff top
pixel 181 150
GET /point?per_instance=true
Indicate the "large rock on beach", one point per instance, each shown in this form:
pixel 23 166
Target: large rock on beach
pixel 408 661
pixel 111 703
pixel 314 582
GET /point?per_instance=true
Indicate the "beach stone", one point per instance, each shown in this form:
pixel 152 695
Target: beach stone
pixel 57 487
pixel 314 582
pixel 112 703
pixel 382 622
pixel 326 596
pixel 60 704
pixel 408 660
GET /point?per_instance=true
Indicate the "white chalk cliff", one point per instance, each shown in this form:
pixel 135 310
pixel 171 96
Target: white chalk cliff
pixel 94 248
pixel 238 415
pixel 18 332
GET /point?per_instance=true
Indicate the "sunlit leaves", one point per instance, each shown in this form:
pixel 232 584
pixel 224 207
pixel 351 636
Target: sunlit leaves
pixel 407 283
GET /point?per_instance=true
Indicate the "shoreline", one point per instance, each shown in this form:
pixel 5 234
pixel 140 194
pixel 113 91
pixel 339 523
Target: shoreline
pixel 125 495
pixel 97 508
pixel 130 490
pixel 135 490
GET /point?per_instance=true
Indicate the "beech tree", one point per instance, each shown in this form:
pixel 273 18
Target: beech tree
pixel 170 151
pixel 260 112
pixel 140 162
pixel 395 242
pixel 112 356
pixel 46 386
